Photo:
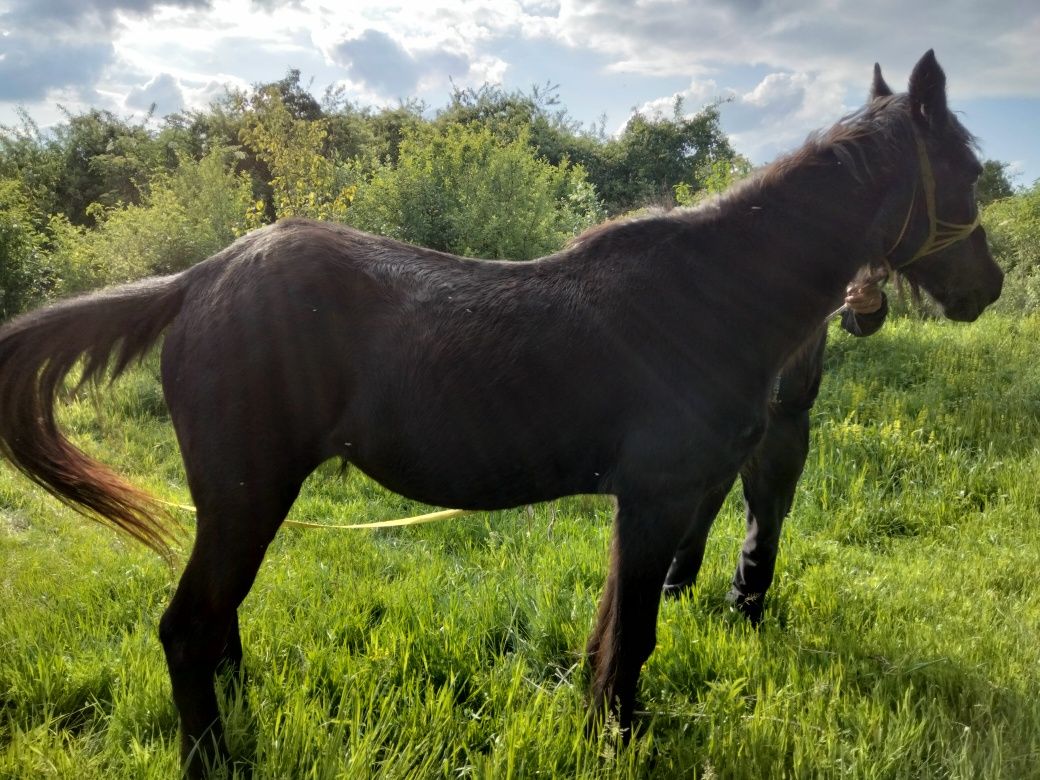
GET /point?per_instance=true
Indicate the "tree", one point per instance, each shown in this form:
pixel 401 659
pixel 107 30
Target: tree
pixel 184 216
pixel 642 166
pixel 297 101
pixel 654 154
pixel 994 183
pixel 104 159
pixel 93 157
pixel 305 181
pixel 26 157
pixel 715 176
pixel 225 121
pixel 536 116
pixel 366 137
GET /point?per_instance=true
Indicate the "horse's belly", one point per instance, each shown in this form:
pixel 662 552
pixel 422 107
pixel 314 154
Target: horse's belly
pixel 482 461
pixel 469 483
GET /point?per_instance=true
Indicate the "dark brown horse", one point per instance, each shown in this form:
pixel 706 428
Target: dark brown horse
pixel 637 362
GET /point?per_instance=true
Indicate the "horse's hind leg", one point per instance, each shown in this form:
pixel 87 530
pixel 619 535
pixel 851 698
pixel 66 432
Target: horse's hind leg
pixel 645 536
pixel 199 630
pixel 231 656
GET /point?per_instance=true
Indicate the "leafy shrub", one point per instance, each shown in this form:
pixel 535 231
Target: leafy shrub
pixel 305 181
pixel 1013 227
pixel 715 175
pixel 461 189
pixel 184 217
pixel 22 279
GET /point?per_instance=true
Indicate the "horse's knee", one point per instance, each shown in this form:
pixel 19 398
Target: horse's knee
pixel 189 634
pixel 173 634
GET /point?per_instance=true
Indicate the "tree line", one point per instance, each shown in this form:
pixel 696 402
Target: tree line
pixel 99 199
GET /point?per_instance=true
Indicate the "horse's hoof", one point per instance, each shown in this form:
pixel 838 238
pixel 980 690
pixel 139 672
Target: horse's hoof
pixel 673 590
pixel 752 606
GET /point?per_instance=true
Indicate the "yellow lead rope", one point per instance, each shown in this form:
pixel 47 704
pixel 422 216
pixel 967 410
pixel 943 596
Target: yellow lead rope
pixel 429 517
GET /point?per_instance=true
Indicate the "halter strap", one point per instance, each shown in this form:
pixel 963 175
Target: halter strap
pixel 941 234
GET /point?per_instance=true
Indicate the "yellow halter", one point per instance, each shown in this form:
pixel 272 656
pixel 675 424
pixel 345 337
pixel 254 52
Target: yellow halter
pixel 941 234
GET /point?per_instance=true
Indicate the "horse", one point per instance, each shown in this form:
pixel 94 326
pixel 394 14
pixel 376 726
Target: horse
pixel 636 362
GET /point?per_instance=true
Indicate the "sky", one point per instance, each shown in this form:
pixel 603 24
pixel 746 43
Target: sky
pixel 783 67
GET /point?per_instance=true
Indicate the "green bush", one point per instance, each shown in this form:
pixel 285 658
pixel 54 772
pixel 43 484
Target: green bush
pixel 307 180
pixel 184 217
pixel 461 189
pixel 23 279
pixel 1013 227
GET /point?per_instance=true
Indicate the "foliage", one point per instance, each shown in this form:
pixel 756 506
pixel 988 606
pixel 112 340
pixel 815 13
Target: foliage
pixel 305 182
pixel 102 160
pixel 715 175
pixel 224 123
pixel 508 114
pixel 494 173
pixel 899 641
pixel 536 115
pixel 655 153
pixel 281 112
pixel 28 158
pixel 462 189
pixel 184 217
pixel 640 167
pixel 993 183
pixel 22 279
pixel 1013 227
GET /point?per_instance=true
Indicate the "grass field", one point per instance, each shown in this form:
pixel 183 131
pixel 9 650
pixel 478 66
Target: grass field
pixel 901 639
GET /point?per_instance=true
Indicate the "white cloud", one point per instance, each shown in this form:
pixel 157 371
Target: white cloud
pixel 163 91
pixel 383 64
pixel 993 46
pixel 778 113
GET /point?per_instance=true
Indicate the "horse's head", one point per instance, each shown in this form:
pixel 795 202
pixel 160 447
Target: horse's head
pixel 936 240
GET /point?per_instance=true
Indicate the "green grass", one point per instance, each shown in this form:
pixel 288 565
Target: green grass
pixel 901 639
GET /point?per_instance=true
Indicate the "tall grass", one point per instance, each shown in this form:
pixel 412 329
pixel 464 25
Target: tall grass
pixel 901 638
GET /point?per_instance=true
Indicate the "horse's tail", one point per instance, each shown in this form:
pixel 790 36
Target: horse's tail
pixel 37 350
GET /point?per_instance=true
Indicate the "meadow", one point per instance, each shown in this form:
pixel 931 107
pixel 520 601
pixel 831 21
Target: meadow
pixel 900 639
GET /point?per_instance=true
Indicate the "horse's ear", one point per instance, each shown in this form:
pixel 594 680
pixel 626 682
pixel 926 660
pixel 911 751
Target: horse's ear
pixel 928 91
pixel 878 87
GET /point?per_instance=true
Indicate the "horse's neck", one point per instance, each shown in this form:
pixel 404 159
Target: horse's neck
pixel 818 229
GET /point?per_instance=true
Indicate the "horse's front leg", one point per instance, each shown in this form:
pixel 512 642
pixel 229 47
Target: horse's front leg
pixel 686 562
pixel 770 480
pixel 646 533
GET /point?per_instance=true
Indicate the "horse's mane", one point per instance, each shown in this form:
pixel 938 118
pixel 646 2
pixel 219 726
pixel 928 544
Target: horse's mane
pixel 883 125
pixel 617 224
